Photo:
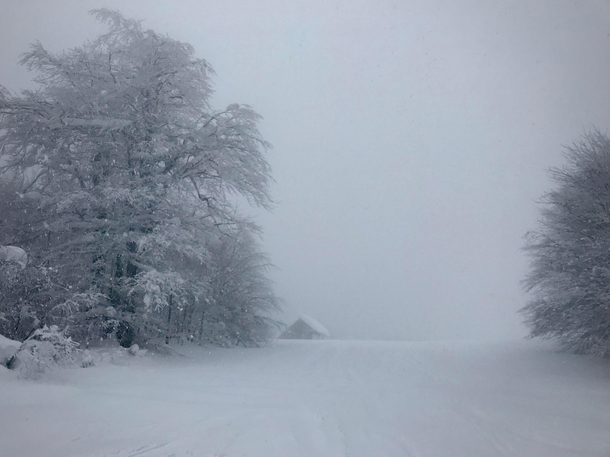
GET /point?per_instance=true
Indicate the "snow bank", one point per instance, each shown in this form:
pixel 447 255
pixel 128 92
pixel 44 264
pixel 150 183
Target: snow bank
pixel 8 348
pixel 47 348
pixel 14 254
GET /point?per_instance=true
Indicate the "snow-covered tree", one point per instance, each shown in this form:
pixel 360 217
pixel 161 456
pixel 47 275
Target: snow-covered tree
pixel 570 253
pixel 123 178
pixel 239 288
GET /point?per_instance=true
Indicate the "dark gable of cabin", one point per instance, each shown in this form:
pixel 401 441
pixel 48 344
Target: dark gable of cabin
pixel 301 331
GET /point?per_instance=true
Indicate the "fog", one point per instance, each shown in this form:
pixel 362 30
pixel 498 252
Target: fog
pixel 411 139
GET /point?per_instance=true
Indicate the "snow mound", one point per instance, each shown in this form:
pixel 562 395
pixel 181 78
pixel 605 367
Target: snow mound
pixel 14 254
pixel 8 348
pixel 46 348
pixel 314 324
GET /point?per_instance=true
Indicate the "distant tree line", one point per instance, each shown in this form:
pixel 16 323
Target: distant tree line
pixel 569 278
pixel 118 180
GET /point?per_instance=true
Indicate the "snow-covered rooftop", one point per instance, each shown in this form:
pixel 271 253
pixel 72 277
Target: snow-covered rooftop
pixel 314 324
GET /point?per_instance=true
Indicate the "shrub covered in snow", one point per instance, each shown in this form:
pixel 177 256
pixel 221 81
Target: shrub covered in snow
pixel 47 348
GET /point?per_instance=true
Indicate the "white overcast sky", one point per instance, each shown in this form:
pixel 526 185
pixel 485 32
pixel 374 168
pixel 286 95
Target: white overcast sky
pixel 411 139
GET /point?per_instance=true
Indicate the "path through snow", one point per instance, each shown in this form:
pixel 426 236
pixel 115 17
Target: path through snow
pixel 318 399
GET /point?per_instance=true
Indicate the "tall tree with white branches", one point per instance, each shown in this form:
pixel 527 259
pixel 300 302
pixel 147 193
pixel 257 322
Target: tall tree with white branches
pixel 570 252
pixel 120 180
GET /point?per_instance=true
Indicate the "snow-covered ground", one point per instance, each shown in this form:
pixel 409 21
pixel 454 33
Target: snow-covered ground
pixel 317 399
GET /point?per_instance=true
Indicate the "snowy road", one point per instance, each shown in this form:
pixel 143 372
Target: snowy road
pixel 326 398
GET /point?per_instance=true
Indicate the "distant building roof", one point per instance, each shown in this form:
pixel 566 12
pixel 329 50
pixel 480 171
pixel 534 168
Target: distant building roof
pixel 305 328
pixel 314 324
